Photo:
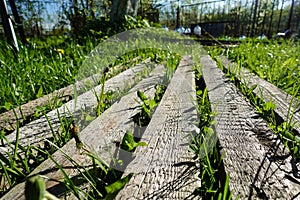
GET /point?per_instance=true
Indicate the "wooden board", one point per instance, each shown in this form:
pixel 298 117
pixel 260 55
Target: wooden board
pixel 258 164
pixel 8 120
pixel 286 105
pixel 164 169
pixel 36 131
pixel 99 136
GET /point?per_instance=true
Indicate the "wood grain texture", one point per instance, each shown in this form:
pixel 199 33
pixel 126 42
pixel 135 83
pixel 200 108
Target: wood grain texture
pixel 259 165
pixel 98 136
pixel 286 105
pixel 36 131
pixel 164 169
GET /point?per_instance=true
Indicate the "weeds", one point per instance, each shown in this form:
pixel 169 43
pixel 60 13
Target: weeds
pixel 128 143
pixel 276 63
pixel 283 129
pixel 214 185
pixel 61 64
pixel 148 105
pixel 101 96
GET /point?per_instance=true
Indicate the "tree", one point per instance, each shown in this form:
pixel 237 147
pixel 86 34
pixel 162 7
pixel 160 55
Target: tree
pixel 120 8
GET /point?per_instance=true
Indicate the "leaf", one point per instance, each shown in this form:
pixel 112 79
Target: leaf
pixel 297 139
pixel 128 143
pixel 141 95
pixel 89 118
pixel 7 106
pixel 40 92
pixel 35 188
pixel 141 144
pixel 152 104
pixel 146 23
pixel 268 106
pixel 113 189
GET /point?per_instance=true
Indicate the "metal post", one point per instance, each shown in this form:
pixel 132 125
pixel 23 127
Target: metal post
pixel 7 25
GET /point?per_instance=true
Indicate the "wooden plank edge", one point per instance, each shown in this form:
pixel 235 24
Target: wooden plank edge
pixel 164 169
pixel 8 119
pixel 287 106
pixel 36 131
pixel 257 162
pixel 105 129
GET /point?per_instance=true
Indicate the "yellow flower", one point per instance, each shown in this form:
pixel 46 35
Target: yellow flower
pixel 60 51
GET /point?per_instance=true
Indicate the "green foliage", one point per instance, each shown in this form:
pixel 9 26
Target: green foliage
pixel 247 58
pixel 113 189
pixel 104 99
pixel 148 105
pixel 274 62
pixel 204 148
pixel 39 69
pixel 35 188
pixel 105 182
pixel 128 143
pixel 159 93
pixel 210 159
pixel 102 27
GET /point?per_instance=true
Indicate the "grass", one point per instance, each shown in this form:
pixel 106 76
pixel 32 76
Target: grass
pixel 214 181
pixel 42 68
pixel 282 128
pixel 38 70
pixel 104 182
pixel 148 105
pixel 278 63
pixel 22 163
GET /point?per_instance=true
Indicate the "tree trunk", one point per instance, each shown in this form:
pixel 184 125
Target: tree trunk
pixel 120 8
pixel 288 27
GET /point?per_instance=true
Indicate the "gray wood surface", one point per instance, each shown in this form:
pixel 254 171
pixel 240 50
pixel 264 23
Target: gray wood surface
pixel 99 137
pixel 259 165
pixel 36 131
pixel 8 120
pixel 164 169
pixel 286 105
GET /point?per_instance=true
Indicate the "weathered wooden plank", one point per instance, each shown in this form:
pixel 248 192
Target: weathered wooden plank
pixel 99 136
pixel 259 165
pixel 8 120
pixel 163 169
pixel 36 131
pixel 286 105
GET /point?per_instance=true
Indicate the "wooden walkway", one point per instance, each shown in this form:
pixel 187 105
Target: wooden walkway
pixel 99 136
pixel 164 170
pixel 259 165
pixel 35 132
pixel 8 120
pixel 287 107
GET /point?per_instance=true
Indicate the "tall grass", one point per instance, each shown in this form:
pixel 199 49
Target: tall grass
pixel 214 181
pixel 278 63
pixel 39 69
pixel 283 128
